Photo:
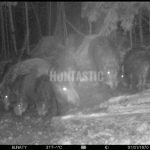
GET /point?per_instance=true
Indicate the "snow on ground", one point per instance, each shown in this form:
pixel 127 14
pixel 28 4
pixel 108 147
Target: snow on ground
pixel 121 120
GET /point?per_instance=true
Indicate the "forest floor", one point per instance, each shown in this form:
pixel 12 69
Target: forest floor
pixel 120 120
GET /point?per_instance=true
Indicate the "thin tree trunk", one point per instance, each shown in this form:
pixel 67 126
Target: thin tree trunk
pixel 149 22
pixel 7 34
pixel 49 18
pixel 2 32
pixel 140 28
pixel 90 27
pixel 58 18
pixel 12 28
pixel 64 21
pixel 149 25
pixel 134 37
pixel 5 26
pixel 27 28
pixel 59 22
pixel 131 39
pixel 37 19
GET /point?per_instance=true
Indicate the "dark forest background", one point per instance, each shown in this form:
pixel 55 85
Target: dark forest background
pixel 22 24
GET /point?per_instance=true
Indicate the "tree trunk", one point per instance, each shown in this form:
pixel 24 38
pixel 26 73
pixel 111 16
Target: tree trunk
pixel 140 28
pixel 90 27
pixel 3 32
pixel 49 18
pixel 7 35
pixel 12 28
pixel 131 39
pixel 37 19
pixel 65 33
pixel 27 28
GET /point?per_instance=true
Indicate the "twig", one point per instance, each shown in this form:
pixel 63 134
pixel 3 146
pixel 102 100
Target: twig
pixel 74 28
